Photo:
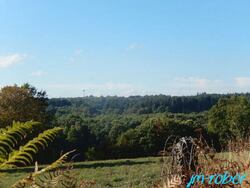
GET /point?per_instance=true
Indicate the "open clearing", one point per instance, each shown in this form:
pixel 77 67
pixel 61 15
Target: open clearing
pixel 141 172
pixel 136 173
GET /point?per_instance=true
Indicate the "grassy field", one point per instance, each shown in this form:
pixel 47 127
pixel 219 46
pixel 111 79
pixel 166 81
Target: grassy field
pixel 141 172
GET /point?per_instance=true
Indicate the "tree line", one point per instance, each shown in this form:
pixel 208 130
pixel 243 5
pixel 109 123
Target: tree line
pixel 93 106
pixel 119 127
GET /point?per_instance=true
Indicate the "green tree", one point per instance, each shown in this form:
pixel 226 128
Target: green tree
pixel 22 104
pixel 128 144
pixel 230 118
pixel 152 135
pixel 116 130
pixel 77 134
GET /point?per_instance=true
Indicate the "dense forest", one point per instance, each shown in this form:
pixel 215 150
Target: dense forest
pixel 92 106
pixel 122 127
pixel 117 127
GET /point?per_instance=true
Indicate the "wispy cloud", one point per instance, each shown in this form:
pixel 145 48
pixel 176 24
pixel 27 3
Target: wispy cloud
pixel 76 56
pixel 9 60
pixel 108 86
pixel 193 85
pixel 176 86
pixel 102 89
pixel 243 81
pixel 134 46
pixel 196 82
pixel 38 73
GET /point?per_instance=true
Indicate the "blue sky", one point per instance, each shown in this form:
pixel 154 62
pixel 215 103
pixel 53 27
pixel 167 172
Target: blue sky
pixel 126 47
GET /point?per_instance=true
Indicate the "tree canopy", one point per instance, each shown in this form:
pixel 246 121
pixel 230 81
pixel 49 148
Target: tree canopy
pixel 230 118
pixel 22 104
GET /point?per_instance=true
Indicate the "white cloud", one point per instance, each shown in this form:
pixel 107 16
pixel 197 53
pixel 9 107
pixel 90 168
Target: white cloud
pixel 78 51
pixel 76 56
pixel 194 85
pixel 134 46
pixel 242 81
pixel 196 82
pixel 176 86
pixel 37 73
pixel 108 86
pixel 9 60
pixel 103 89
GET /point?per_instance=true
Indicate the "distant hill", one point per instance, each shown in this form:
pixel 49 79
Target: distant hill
pixel 92 106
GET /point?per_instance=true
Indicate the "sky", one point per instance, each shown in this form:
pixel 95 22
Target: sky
pixel 126 47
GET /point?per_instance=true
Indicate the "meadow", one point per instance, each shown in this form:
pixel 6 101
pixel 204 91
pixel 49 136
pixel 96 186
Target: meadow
pixel 137 172
pixel 101 129
pixel 140 172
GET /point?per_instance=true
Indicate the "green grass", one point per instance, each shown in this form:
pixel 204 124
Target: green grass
pixel 141 172
pixel 136 173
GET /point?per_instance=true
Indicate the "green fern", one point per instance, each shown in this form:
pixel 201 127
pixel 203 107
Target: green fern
pixel 24 156
pixel 59 178
pixel 56 164
pixel 12 135
pixel 47 176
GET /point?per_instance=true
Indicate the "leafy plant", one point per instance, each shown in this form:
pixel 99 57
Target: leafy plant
pixel 12 137
pixel 54 175
pixel 24 156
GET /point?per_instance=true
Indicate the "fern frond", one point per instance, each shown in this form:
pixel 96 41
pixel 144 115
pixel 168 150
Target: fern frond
pixel 12 135
pixel 56 164
pixel 36 179
pixel 59 178
pixel 24 156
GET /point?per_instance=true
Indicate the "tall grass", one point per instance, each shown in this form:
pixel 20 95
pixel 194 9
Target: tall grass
pixel 187 156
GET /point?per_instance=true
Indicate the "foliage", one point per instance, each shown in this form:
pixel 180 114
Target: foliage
pixel 77 132
pixel 11 137
pixel 104 132
pixel 92 106
pixel 22 104
pixel 230 118
pixel 109 127
pixel 24 156
pixel 119 136
pixel 149 137
pixel 118 127
pixel 46 177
